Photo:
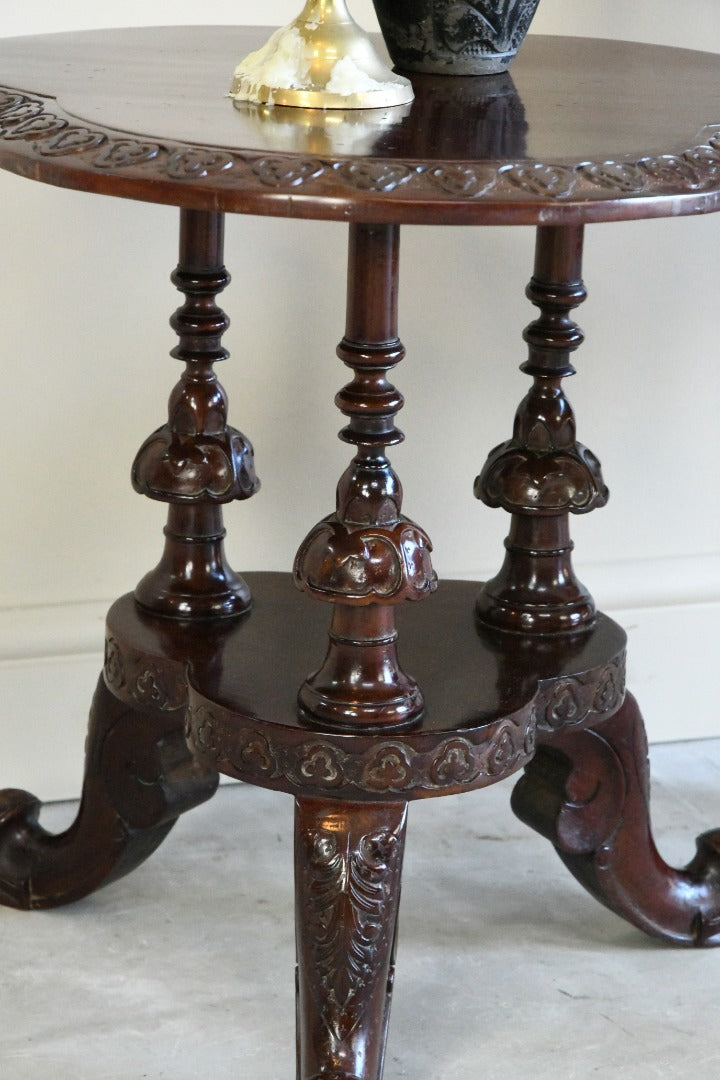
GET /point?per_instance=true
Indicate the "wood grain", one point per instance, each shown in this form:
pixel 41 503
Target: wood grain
pixel 581 130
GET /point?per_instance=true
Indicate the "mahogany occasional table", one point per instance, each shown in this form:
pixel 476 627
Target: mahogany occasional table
pixel 360 704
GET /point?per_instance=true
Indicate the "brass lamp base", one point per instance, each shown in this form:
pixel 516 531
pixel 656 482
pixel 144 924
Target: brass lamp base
pixel 322 60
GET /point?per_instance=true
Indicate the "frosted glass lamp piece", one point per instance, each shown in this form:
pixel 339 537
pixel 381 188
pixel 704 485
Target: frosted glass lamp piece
pixel 322 60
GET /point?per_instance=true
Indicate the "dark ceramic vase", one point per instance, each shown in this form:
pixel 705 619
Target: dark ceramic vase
pixel 454 37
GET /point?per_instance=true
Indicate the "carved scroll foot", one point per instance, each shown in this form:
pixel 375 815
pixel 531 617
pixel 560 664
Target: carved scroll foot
pixel 588 792
pixel 139 777
pixel 348 865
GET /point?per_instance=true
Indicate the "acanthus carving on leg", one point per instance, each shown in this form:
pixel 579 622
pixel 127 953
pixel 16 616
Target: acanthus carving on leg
pixel 348 868
pixel 139 777
pixel 588 792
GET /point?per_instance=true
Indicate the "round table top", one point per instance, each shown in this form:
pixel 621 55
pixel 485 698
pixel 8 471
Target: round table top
pixel 580 130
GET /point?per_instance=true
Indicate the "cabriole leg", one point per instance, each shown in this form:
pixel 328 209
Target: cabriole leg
pixel 588 792
pixel 139 777
pixel 139 774
pixel 348 864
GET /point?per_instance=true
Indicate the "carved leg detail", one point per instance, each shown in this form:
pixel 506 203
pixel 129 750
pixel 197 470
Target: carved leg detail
pixel 348 867
pixel 588 792
pixel 139 777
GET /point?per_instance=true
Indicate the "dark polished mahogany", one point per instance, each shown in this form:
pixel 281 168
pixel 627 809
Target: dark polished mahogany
pixel 207 672
pixel 589 793
pixel 543 474
pixel 367 556
pixel 139 778
pixel 196 462
pixel 348 862
pixel 155 123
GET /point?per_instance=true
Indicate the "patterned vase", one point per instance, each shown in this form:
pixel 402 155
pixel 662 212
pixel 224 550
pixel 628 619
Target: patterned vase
pixel 454 37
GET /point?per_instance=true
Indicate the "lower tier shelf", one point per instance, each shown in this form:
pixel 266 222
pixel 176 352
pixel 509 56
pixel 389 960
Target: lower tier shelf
pixel 489 696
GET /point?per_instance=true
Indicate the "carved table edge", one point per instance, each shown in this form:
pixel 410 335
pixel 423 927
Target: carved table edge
pixel 406 765
pixel 380 767
pixel 38 129
pixel 579 701
pixel 150 682
pixel 364 765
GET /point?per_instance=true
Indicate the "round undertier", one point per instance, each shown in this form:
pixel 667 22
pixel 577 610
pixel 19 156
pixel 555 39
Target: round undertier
pixel 489 696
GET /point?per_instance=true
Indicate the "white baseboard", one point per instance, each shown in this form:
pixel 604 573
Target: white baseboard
pixel 50 658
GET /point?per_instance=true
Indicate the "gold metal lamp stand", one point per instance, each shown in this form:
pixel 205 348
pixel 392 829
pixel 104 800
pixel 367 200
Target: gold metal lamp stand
pixel 322 60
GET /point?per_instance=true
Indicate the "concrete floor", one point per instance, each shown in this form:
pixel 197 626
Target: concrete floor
pixel 506 968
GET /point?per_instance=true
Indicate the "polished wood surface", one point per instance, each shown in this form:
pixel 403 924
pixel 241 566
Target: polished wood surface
pixel 196 462
pixel 543 474
pixel 367 557
pixel 139 778
pixel 348 865
pixel 589 793
pixel 581 130
pixel 207 672
pixel 486 695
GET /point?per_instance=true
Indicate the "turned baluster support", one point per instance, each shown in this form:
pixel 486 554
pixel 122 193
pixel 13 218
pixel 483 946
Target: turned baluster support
pixel 366 557
pixel 543 474
pixel 196 462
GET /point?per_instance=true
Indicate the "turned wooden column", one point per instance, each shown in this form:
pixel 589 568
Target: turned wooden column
pixel 542 475
pixel 367 556
pixel 196 462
